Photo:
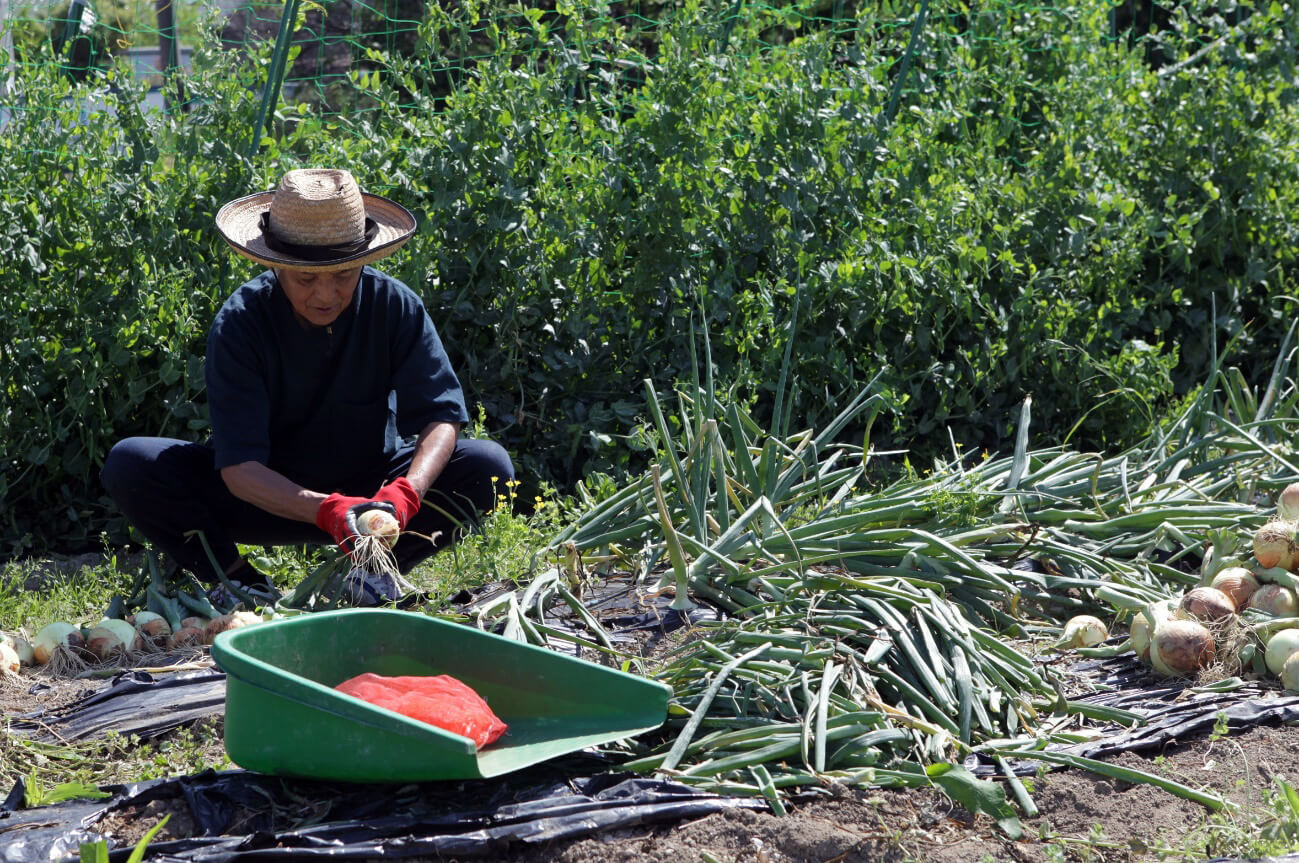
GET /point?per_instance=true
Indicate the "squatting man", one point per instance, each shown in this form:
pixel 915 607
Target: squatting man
pixel 329 393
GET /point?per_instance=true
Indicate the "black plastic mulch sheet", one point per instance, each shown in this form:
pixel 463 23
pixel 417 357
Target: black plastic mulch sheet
pixel 134 702
pixel 1172 711
pixel 462 819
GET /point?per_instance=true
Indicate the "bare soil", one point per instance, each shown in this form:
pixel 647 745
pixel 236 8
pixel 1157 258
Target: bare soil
pixel 1082 816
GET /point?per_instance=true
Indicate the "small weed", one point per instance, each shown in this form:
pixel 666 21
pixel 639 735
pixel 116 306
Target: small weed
pixel 288 564
pixel 1220 729
pixel 38 795
pixel 1257 832
pixel 502 548
pixel 97 852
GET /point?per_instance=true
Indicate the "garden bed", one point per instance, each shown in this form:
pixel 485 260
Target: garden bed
pixel 1082 816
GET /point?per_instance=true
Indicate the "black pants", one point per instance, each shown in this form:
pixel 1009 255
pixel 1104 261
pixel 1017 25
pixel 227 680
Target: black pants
pixel 168 489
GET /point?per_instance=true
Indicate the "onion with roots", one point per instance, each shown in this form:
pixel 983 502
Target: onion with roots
pixel 186 636
pixel 1083 630
pixel 9 661
pixel 1237 582
pixel 1276 600
pixel 380 523
pixel 153 628
pixel 1287 502
pixel 1280 647
pixel 23 648
pixel 237 620
pixel 1146 622
pixel 54 636
pixel 1274 544
pixel 111 637
pixel 1207 604
pixel 1181 647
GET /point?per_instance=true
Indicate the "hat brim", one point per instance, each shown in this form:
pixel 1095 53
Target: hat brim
pixel 239 223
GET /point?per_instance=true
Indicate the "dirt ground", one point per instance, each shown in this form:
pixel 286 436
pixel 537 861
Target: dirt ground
pixel 1082 817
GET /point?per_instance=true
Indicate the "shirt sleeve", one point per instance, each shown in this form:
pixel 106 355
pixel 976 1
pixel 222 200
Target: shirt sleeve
pixel 426 386
pixel 237 394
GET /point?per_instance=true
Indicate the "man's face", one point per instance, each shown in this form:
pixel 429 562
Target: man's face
pixel 319 298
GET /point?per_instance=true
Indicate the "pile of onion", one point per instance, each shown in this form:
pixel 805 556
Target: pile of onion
pixel 72 647
pixel 1177 637
pixel 227 622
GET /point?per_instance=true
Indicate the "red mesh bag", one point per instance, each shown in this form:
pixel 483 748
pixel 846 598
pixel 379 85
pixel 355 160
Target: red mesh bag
pixel 439 700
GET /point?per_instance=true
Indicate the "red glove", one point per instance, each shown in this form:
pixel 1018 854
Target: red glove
pixel 401 494
pixel 338 513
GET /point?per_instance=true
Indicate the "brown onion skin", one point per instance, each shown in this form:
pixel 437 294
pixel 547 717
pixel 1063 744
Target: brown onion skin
pixel 186 636
pixel 104 645
pixel 1185 646
pixel 1275 599
pixel 1208 604
pixel 1274 545
pixel 1238 583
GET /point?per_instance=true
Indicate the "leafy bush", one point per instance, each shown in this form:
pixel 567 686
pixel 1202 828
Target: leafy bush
pixel 1048 213
pixel 110 277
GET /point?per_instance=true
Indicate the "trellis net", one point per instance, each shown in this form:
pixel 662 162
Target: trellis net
pixel 331 48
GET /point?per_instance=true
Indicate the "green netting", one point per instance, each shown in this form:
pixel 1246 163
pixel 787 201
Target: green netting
pixel 333 49
pixel 334 46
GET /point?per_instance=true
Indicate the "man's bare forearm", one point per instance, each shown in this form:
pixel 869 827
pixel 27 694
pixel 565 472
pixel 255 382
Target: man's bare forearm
pixel 272 491
pixel 432 452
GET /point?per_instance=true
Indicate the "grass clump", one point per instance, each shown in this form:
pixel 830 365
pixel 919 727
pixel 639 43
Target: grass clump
pixel 33 594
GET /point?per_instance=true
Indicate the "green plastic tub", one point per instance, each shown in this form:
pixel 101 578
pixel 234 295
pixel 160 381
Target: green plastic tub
pixel 283 716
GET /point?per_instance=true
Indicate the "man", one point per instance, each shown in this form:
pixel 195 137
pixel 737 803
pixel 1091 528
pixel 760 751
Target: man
pixel 329 393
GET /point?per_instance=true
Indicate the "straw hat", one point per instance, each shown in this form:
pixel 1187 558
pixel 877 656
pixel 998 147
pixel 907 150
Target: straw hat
pixel 318 219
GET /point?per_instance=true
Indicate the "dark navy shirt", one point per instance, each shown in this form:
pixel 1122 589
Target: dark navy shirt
pixel 326 406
